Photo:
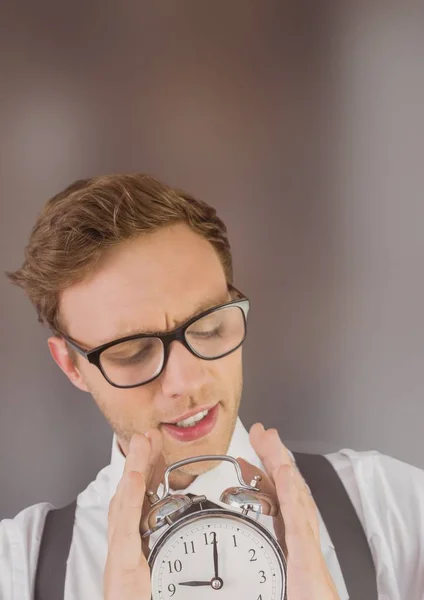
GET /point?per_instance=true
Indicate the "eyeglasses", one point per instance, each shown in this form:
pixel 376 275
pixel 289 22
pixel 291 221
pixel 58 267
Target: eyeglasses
pixel 138 359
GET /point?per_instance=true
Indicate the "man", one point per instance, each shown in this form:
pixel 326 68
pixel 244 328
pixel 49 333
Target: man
pixel 135 281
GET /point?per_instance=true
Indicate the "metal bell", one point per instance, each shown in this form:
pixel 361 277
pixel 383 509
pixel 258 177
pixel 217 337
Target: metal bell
pixel 163 512
pixel 250 499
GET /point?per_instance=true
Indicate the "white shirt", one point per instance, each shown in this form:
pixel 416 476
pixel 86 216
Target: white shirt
pixel 388 496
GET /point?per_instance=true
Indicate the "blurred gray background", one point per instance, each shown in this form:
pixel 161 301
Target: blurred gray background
pixel 302 123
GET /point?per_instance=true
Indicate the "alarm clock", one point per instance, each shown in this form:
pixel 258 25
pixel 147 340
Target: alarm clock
pixel 207 551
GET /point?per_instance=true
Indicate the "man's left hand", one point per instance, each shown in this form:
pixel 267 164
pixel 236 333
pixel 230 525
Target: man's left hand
pixel 297 526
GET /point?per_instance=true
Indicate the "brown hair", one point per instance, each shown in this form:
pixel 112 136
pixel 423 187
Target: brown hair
pixel 79 224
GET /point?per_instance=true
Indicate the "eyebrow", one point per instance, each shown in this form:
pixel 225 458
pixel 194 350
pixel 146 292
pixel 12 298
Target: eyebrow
pixel 201 307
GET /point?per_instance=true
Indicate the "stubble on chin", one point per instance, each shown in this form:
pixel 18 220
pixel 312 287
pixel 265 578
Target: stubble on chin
pixel 122 428
pixel 217 444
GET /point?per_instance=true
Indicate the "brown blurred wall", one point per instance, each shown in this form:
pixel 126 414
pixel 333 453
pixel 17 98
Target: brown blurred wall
pixel 301 122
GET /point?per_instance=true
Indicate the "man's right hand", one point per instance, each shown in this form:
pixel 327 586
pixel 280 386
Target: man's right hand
pixel 127 574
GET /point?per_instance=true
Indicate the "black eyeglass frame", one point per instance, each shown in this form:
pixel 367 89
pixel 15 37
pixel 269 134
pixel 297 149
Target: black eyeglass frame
pixel 178 334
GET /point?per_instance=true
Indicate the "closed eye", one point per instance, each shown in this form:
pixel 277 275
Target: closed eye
pixel 142 354
pixel 205 334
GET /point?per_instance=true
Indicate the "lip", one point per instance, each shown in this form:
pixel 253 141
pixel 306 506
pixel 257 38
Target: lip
pixel 197 431
pixel 190 413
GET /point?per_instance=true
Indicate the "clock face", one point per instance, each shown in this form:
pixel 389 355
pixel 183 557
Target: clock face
pixel 248 560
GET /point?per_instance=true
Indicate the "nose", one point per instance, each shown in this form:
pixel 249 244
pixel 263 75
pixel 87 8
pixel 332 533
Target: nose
pixel 184 374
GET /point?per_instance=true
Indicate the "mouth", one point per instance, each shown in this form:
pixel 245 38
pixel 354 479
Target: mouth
pixel 193 425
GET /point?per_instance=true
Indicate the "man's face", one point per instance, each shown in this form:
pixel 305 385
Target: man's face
pixel 155 283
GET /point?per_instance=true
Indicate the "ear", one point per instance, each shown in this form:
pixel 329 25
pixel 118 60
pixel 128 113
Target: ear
pixel 59 351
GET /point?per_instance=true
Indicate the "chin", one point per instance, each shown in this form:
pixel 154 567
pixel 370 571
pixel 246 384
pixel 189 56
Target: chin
pixel 218 444
pixel 199 468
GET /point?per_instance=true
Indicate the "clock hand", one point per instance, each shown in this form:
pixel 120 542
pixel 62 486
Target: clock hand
pixel 195 583
pixel 215 557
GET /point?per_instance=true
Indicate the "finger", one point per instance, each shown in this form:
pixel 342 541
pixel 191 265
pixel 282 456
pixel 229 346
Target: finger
pixel 274 455
pixel 307 501
pixel 305 560
pixel 138 460
pixel 298 532
pixel 125 544
pixel 126 510
pixel 144 453
pixel 267 486
pixel 155 477
pixel 139 456
pixel 269 448
pixel 157 461
pixel 114 506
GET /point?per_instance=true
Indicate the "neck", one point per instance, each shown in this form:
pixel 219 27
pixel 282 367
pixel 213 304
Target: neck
pixel 179 480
